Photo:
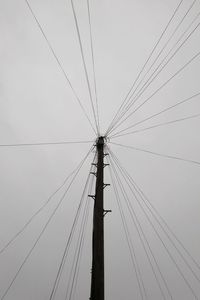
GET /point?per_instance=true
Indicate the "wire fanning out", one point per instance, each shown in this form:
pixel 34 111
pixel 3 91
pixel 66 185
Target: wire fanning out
pixel 136 267
pixel 69 240
pixel 93 63
pixel 84 64
pixel 144 66
pixel 41 208
pixel 150 79
pixel 130 183
pixel 45 144
pixel 158 154
pixel 161 124
pixel 160 67
pixel 144 241
pixel 43 230
pixel 60 64
pixel 157 114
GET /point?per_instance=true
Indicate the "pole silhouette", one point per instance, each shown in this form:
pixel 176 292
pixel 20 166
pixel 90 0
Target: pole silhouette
pixel 97 282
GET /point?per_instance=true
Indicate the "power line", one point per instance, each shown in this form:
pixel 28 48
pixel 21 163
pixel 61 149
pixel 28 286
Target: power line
pixel 154 214
pixel 87 215
pixel 161 87
pixel 167 226
pixel 69 240
pixel 84 63
pixel 93 62
pixel 79 249
pixel 44 144
pixel 59 63
pixel 152 78
pixel 156 114
pixel 129 242
pixel 158 154
pixel 139 229
pixel 143 195
pixel 41 208
pixel 165 247
pixel 161 51
pixel 41 234
pixel 160 125
pixel 145 64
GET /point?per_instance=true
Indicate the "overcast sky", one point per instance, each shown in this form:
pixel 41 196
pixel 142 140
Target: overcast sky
pixel 38 105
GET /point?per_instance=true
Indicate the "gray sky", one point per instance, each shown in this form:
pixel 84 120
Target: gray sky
pixel 37 105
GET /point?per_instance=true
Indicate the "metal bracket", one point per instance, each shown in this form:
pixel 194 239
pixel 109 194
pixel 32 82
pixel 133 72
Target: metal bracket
pixel 93 173
pixel 92 196
pixel 94 164
pixel 106 211
pixel 105 154
pixel 105 165
pixel 105 185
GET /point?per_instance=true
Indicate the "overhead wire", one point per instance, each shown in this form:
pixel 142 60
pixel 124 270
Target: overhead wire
pixel 157 114
pixel 30 220
pixel 159 125
pixel 59 64
pixel 84 64
pixel 93 62
pixel 76 279
pixel 146 62
pixel 79 248
pixel 166 225
pixel 141 233
pixel 154 214
pixel 158 154
pixel 45 144
pixel 75 268
pixel 69 240
pixel 161 87
pixel 42 232
pixel 156 211
pixel 145 86
pixel 181 273
pixel 129 242
pixel 152 78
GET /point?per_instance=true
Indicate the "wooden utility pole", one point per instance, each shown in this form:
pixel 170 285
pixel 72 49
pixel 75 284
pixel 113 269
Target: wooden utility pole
pixel 97 282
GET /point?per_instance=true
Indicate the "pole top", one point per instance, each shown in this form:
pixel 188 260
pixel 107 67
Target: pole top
pixel 100 141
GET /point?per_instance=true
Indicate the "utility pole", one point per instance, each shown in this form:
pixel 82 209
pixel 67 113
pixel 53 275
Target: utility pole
pixel 97 282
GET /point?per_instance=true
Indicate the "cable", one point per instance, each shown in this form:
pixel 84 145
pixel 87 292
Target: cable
pixel 159 125
pixel 79 249
pixel 39 210
pixel 129 242
pixel 161 51
pixel 162 86
pixel 167 226
pixel 59 63
pixel 156 114
pixel 44 144
pixel 69 240
pixel 165 247
pixel 93 62
pixel 150 79
pixel 154 213
pixel 75 268
pixel 41 233
pixel 158 154
pixel 146 62
pixel 84 64
pixel 137 188
pixel 139 229
pixel 76 280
